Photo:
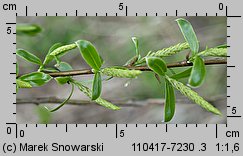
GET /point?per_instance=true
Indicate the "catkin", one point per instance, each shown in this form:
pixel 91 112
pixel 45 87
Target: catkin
pixel 63 49
pixel 171 50
pixel 23 84
pixel 122 73
pixel 216 52
pixel 99 100
pixel 193 96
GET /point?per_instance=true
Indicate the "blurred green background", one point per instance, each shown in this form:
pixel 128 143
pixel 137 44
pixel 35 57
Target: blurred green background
pixel 112 38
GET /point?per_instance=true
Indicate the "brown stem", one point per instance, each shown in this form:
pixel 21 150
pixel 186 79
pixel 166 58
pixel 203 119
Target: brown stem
pixel 55 100
pixel 142 68
pixel 120 103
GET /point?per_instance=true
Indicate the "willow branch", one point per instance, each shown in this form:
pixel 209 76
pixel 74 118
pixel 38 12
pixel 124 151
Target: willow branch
pixel 55 100
pixel 142 68
pixel 120 103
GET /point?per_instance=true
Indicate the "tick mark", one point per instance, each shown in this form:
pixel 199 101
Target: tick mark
pixel 26 10
pixel 234 116
pixel 10 23
pixel 233 16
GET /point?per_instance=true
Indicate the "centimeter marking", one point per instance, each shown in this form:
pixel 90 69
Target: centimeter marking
pixel 19 132
pixel 126 125
pixel 146 14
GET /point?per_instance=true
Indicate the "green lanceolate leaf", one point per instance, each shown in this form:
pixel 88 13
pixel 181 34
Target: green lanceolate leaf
pixel 184 74
pixel 49 57
pixel 63 66
pixel 28 56
pixel 89 53
pixel 97 86
pixel 198 73
pixel 172 71
pixel 122 73
pixel 60 51
pixel 99 100
pixel 36 79
pixel 65 101
pixel 135 41
pixel 27 29
pixel 22 84
pixel 192 95
pixel 169 108
pixel 189 34
pixel 102 60
pixel 17 69
pixel 62 80
pixel 157 65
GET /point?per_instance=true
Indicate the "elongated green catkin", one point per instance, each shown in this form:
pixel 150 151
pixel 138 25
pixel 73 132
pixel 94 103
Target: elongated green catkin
pixel 63 49
pixel 216 52
pixel 193 96
pixel 171 50
pixel 99 100
pixel 122 73
pixel 23 84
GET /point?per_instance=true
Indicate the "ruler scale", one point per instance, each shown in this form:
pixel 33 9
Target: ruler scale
pixel 120 139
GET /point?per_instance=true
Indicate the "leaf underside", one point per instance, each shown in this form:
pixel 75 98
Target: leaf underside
pixel 169 108
pixel 198 73
pixel 157 65
pixel 189 34
pixel 89 54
